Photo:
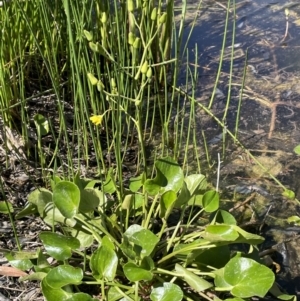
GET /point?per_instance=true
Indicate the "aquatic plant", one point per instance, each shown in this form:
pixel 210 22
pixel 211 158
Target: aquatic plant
pixel 135 247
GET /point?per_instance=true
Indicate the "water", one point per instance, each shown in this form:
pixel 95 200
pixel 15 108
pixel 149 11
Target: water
pixel 268 42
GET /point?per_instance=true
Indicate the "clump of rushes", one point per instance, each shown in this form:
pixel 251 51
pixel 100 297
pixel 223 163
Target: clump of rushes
pixel 133 67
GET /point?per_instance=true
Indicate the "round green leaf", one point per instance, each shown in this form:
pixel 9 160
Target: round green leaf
pixel 246 237
pixel 6 207
pixel 210 201
pixel 64 275
pixel 195 183
pixel 143 238
pixel 136 183
pixel 222 217
pixel 37 200
pixel 84 238
pixel 167 292
pixel 169 176
pixel 51 294
pixel 297 149
pixel 104 263
pixel 135 273
pixel 52 216
pixel 59 246
pixel 66 197
pixel 289 194
pixel 221 233
pixel 248 278
pixel 22 264
pixel 88 35
pixel 294 220
pixel 166 203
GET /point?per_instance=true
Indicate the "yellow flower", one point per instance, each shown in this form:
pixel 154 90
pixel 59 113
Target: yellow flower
pixel 96 119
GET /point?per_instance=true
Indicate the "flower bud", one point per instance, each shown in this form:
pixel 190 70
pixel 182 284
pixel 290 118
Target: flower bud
pixel 88 35
pixel 163 18
pixel 136 43
pixel 149 72
pixel 144 68
pixel 131 38
pixel 93 80
pixel 154 14
pixel 104 18
pixel 130 5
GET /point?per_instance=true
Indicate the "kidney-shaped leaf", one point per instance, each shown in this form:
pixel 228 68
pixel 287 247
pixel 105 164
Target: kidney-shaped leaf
pixel 104 263
pixel 143 238
pixel 167 292
pixel 195 183
pixel 166 203
pixel 248 278
pixel 6 207
pixel 134 272
pixel 297 149
pixel 220 233
pixel 169 176
pixel 222 217
pixel 66 197
pixel 59 246
pixel 18 262
pixel 210 201
pixel 51 294
pixel 192 185
pixel 64 275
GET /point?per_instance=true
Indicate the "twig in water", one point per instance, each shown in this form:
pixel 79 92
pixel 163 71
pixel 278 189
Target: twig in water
pixel 287 13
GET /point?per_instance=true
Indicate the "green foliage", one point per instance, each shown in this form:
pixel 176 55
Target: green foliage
pixel 297 149
pixel 110 60
pixel 129 256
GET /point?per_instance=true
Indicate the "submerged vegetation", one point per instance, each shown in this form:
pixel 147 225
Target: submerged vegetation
pixel 91 104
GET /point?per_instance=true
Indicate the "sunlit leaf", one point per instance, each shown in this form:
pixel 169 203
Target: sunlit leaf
pixel 192 185
pixel 294 219
pixel 133 272
pixel 222 217
pixel 167 201
pixel 169 176
pixel 197 283
pixel 143 238
pixel 59 246
pixel 6 207
pixel 167 292
pixel 289 194
pixel 66 197
pixel 104 261
pixel 63 275
pixel 246 278
pixel 210 201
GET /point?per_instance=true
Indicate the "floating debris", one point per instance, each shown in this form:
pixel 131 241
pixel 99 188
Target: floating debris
pixel 247 189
